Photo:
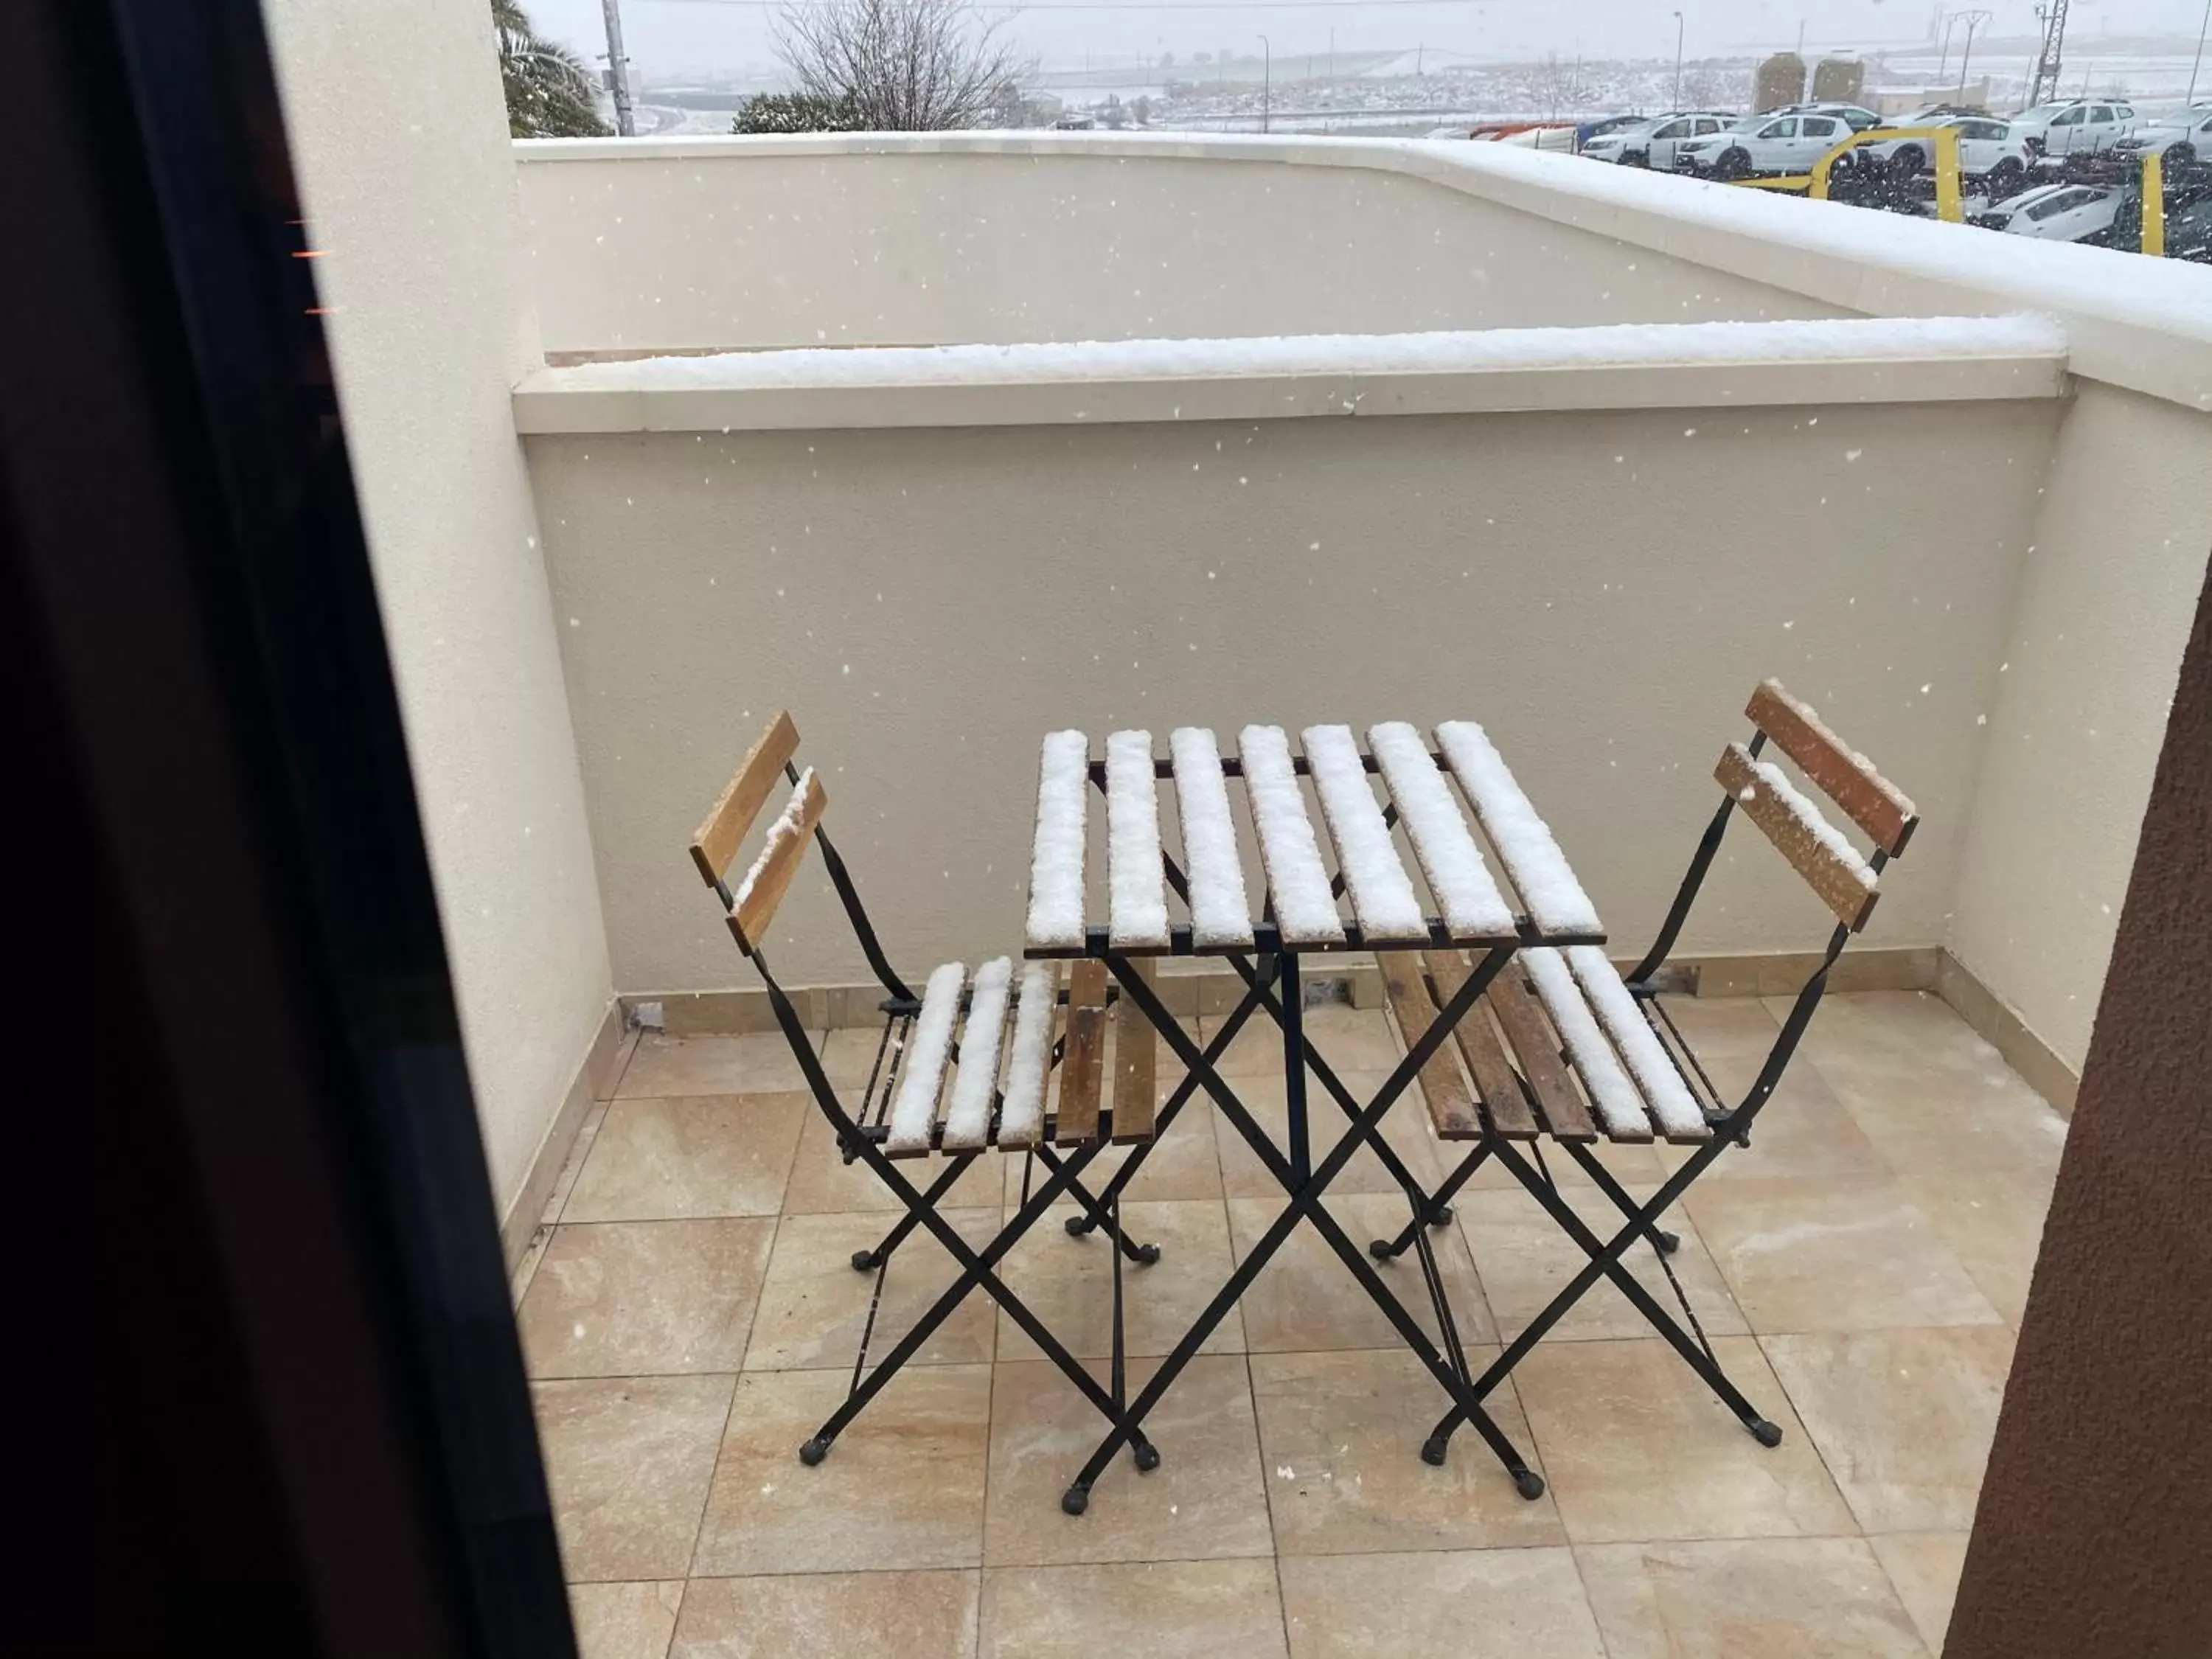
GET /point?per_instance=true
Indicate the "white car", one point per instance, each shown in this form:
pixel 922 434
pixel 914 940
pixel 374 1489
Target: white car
pixel 2083 127
pixel 1653 144
pixel 1988 149
pixel 2182 139
pixel 1763 144
pixel 2055 212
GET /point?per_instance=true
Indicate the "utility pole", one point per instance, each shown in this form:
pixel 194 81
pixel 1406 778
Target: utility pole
pixel 2044 87
pixel 1974 20
pixel 618 70
pixel 1943 62
pixel 1678 27
pixel 1267 79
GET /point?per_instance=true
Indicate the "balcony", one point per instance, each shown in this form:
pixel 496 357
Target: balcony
pixel 944 443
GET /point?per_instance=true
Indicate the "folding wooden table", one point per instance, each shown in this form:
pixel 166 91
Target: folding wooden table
pixel 1301 919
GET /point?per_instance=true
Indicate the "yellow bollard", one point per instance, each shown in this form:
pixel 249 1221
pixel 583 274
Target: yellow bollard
pixel 2154 206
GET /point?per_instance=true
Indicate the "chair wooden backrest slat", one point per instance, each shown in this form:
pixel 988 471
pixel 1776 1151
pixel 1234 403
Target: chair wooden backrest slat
pixel 1830 866
pixel 753 906
pixel 1872 801
pixel 717 839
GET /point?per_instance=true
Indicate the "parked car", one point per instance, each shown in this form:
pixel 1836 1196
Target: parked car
pixel 2055 213
pixel 2083 127
pixel 1653 144
pixel 1855 116
pixel 1987 149
pixel 1609 124
pixel 1762 144
pixel 2182 139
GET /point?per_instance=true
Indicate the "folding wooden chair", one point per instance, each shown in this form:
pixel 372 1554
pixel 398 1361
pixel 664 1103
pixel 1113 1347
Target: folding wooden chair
pixel 1563 1048
pixel 1000 1062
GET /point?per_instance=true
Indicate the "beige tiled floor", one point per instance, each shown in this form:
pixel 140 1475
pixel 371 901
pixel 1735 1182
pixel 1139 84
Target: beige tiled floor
pixel 690 1313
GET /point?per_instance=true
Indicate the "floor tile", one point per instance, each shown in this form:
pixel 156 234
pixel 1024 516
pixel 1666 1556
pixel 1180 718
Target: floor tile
pixel 1404 1127
pixel 629 1461
pixel 1204 1501
pixel 1993 1220
pixel 1924 1567
pixel 1735 1028
pixel 760 1062
pixel 1803 1131
pixel 1929 1093
pixel 1182 1165
pixel 1807 1598
pixel 579 1152
pixel 1340 1437
pixel 1068 1283
pixel 814 1304
pixel 822 1182
pixel 848 1615
pixel 1439 1604
pixel 1637 1447
pixel 901 1487
pixel 1348 1039
pixel 1824 1256
pixel 1904 1417
pixel 640 1298
pixel 1305 1299
pixel 696 1155
pixel 1160 1609
pixel 624 1621
pixel 1524 1260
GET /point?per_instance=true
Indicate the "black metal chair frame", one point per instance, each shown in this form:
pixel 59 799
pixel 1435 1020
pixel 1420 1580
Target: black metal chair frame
pixel 861 1141
pixel 1731 1126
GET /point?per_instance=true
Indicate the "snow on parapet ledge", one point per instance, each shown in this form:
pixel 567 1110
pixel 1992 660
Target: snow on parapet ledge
pixel 2140 323
pixel 1741 365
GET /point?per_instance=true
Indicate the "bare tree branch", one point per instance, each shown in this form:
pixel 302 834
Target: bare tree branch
pixel 903 66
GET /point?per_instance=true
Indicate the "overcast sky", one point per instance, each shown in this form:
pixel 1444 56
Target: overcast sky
pixel 671 37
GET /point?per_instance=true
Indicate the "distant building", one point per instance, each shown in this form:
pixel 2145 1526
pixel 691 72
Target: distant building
pixel 1839 81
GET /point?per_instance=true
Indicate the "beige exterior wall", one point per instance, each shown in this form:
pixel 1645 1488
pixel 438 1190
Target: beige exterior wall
pixel 1602 588
pixel 2079 710
pixel 398 137
pixel 744 243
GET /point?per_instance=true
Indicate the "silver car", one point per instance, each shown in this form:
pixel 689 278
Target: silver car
pixel 1653 144
pixel 2055 212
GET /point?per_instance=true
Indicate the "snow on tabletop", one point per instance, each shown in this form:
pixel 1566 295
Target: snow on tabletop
pixel 1457 876
pixel 968 1117
pixel 1382 896
pixel 1056 860
pixel 1540 870
pixel 1137 909
pixel 1452 351
pixel 1220 914
pixel 1021 1111
pixel 1801 807
pixel 1664 1091
pixel 1820 729
pixel 1619 1107
pixel 1305 908
pixel 785 827
pixel 914 1107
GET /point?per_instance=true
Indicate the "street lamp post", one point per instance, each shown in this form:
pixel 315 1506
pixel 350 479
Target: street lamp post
pixel 1678 27
pixel 1943 61
pixel 1267 79
pixel 2202 29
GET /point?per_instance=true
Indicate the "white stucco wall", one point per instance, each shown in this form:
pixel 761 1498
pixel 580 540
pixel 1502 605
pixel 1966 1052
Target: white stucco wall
pixel 1602 588
pixel 686 244
pixel 398 137
pixel 2078 714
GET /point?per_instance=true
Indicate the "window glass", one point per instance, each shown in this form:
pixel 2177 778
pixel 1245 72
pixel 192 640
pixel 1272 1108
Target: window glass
pixel 2067 117
pixel 1672 130
pixel 1818 126
pixel 1785 129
